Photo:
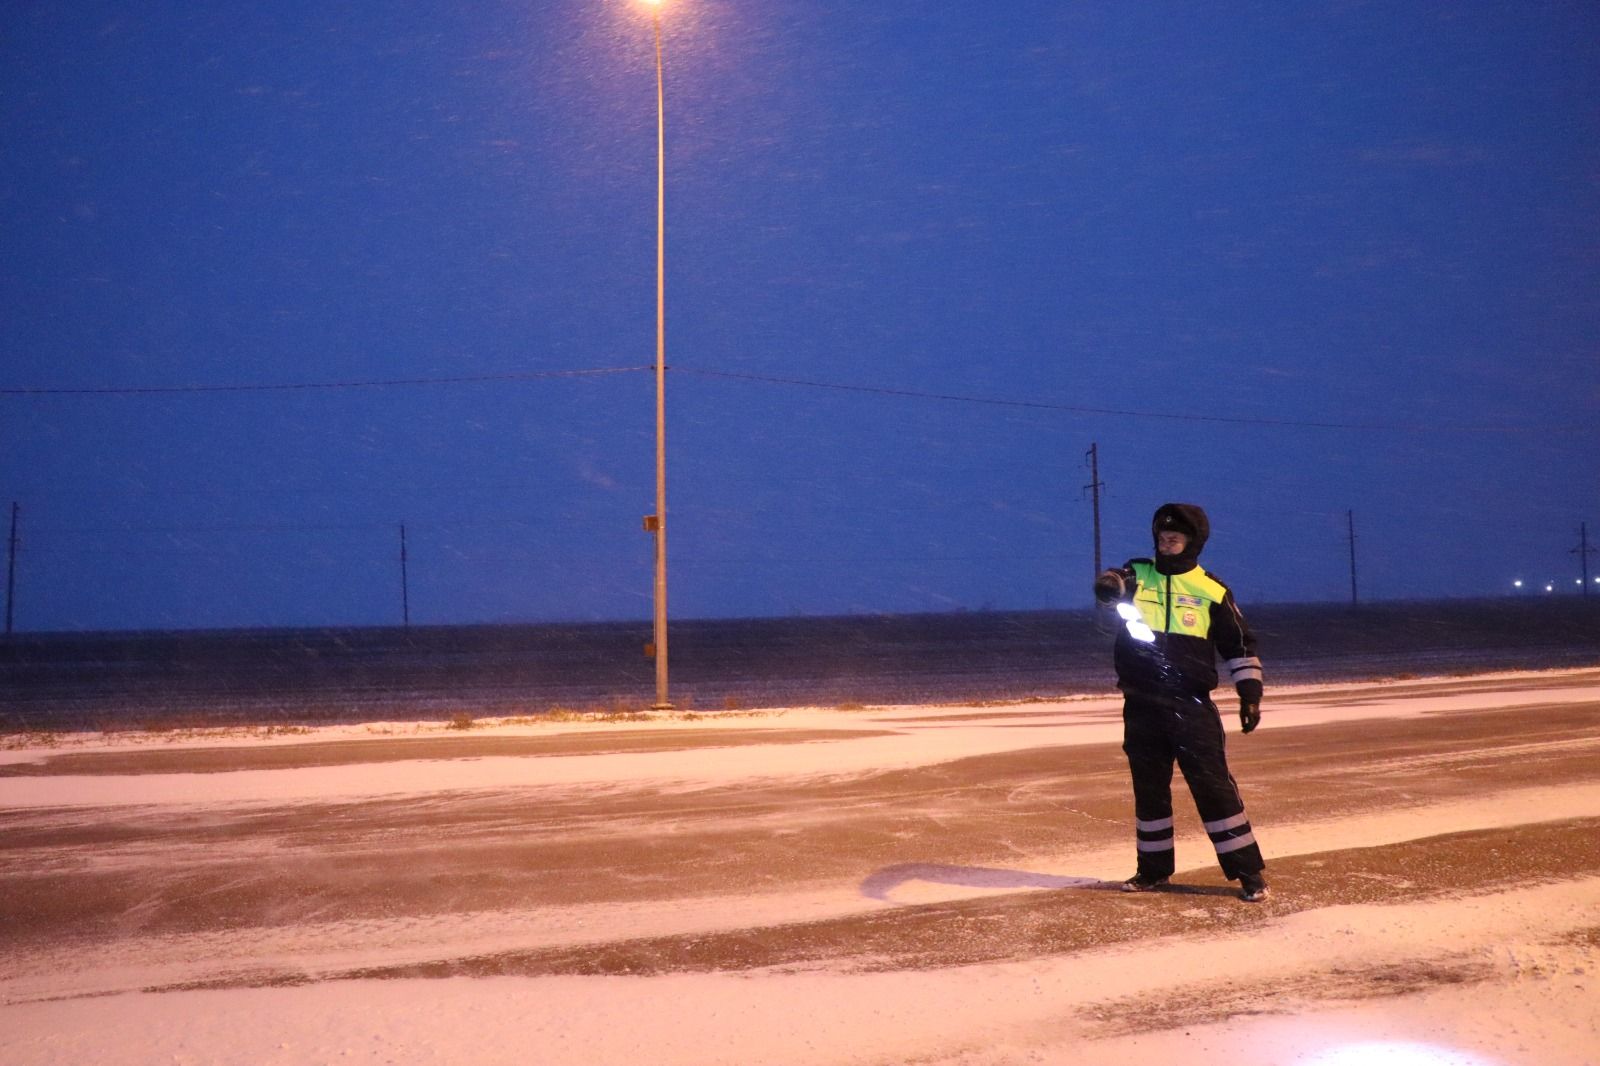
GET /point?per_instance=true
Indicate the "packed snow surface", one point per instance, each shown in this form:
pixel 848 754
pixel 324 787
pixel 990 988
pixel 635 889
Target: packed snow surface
pixel 927 884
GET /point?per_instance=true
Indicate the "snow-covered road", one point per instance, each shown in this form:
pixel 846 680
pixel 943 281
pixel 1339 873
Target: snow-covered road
pixel 883 885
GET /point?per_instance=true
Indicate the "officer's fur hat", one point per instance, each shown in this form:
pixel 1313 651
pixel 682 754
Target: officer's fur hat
pixel 1186 518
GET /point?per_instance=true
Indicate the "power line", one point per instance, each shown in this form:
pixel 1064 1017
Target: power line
pixel 383 383
pixel 275 527
pixel 917 394
pixel 1038 405
pixel 289 527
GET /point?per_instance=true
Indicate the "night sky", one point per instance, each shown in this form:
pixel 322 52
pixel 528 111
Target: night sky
pixel 1286 261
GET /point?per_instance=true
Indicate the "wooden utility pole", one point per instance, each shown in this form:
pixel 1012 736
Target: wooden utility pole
pixel 1583 551
pixel 1094 486
pixel 405 584
pixel 1350 518
pixel 11 568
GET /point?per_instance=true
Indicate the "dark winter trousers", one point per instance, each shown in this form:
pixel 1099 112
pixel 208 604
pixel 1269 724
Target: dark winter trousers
pixel 1158 731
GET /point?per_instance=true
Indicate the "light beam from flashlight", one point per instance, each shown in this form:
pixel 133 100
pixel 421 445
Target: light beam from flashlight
pixel 1138 629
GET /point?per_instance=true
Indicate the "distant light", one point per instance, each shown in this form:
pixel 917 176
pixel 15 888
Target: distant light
pixel 1517 583
pixel 1549 588
pixel 1395 1054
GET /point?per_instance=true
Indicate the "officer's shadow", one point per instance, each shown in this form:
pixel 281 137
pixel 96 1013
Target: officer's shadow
pixel 882 883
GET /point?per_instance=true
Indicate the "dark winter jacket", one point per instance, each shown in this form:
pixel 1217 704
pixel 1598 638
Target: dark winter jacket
pixel 1191 618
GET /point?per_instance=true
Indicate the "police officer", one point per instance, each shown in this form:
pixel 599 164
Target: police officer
pixel 1178 619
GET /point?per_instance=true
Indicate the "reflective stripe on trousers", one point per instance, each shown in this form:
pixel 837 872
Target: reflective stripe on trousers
pixel 1158 733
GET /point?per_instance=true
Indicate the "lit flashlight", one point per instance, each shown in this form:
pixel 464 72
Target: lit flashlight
pixel 1137 628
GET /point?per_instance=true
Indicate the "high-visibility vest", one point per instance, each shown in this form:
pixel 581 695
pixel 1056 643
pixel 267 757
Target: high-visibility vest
pixel 1176 603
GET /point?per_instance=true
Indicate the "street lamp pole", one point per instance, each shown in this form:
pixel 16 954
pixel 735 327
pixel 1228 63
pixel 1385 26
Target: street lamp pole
pixel 660 518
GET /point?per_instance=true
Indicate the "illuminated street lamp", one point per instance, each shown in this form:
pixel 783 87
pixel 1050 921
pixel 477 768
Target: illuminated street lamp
pixel 657 523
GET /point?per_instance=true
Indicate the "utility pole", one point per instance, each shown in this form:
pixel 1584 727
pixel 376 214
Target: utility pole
pixel 11 568
pixel 1094 486
pixel 405 584
pixel 1350 517
pixel 1583 551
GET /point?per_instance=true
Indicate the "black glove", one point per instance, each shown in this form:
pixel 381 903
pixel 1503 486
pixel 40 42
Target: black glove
pixel 1249 714
pixel 1108 587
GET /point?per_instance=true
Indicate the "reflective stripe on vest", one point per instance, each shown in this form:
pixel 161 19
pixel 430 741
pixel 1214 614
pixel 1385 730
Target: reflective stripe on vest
pixel 1189 610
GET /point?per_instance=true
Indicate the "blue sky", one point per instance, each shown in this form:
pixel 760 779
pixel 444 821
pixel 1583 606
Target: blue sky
pixel 1285 261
